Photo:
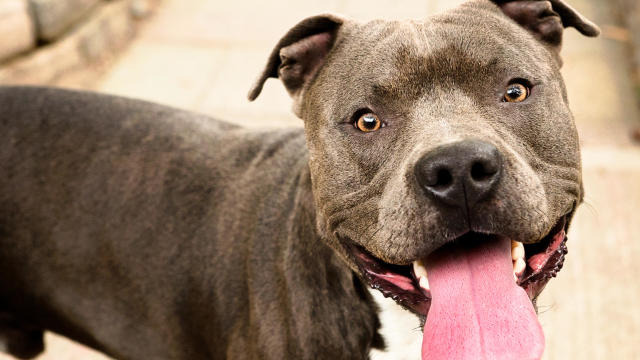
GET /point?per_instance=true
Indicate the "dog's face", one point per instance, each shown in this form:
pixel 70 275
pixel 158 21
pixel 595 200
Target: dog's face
pixel 422 86
pixel 425 133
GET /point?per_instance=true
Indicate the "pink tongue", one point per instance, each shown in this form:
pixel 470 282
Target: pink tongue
pixel 477 310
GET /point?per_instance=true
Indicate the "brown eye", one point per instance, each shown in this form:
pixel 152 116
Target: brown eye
pixel 516 92
pixel 368 122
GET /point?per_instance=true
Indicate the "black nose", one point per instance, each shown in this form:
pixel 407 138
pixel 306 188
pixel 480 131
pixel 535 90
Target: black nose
pixel 460 174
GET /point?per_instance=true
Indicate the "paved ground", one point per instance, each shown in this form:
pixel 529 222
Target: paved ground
pixel 204 55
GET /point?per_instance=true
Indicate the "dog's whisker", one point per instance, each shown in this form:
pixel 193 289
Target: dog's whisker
pixel 592 208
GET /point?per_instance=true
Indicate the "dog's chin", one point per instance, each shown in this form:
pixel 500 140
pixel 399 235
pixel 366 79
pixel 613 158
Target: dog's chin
pixel 543 260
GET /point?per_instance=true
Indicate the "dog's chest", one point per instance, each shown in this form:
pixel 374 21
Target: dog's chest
pixel 400 330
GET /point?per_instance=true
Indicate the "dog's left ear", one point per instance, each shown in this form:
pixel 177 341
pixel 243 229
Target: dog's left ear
pixel 299 55
pixel 546 19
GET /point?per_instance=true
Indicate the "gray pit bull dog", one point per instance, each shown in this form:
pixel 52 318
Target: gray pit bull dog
pixel 439 164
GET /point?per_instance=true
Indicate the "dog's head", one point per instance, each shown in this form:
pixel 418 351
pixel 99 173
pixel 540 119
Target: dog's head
pixel 445 138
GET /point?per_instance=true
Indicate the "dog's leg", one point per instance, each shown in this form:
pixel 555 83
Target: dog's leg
pixel 19 339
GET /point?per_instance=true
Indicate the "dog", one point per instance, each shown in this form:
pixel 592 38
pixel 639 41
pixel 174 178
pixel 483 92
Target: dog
pixel 439 164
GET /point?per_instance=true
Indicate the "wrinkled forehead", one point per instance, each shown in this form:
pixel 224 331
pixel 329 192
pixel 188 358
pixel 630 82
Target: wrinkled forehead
pixel 453 47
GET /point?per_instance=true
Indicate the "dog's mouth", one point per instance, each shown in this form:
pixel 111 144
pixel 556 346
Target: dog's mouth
pixel 470 277
pixel 533 266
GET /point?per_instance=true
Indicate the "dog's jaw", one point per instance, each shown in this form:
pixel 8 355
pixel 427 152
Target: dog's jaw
pixel 409 287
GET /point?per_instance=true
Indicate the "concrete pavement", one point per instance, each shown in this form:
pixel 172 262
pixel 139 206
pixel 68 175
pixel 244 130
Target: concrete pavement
pixel 204 55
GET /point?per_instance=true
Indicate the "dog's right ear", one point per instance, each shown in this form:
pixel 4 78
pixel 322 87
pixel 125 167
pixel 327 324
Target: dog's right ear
pixel 299 55
pixel 546 19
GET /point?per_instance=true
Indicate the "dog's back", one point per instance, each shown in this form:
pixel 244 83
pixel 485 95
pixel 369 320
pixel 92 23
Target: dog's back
pixel 119 222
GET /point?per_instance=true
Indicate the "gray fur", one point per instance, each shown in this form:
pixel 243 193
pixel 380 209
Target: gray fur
pixel 152 233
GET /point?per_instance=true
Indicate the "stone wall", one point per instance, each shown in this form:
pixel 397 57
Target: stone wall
pixel 629 14
pixel 43 41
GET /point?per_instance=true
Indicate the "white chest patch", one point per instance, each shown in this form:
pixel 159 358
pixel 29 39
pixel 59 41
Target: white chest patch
pixel 400 330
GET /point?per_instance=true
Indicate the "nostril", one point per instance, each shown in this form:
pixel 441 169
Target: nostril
pixel 443 179
pixel 481 172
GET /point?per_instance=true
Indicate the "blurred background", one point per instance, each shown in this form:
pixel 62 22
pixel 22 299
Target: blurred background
pixel 203 55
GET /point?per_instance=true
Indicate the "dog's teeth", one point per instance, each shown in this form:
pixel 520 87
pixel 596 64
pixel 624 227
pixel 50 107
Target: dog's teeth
pixel 421 274
pixel 518 266
pixel 424 283
pixel 419 269
pixel 517 254
pixel 517 250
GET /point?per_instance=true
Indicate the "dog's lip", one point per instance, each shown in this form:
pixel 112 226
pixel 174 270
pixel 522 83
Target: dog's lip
pixel 545 259
pixel 395 281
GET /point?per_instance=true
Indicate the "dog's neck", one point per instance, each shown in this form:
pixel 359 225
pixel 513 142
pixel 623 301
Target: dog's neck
pixel 322 296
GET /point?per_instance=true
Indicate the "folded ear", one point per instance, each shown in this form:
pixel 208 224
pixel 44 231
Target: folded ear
pixel 300 53
pixel 546 19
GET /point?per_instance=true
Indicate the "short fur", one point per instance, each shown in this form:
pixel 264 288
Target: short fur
pixel 152 233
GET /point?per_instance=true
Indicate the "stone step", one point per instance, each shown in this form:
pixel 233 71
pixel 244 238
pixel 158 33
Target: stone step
pixel 16 28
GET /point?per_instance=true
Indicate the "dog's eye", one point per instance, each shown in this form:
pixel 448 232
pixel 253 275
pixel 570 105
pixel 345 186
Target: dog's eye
pixel 516 92
pixel 368 122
